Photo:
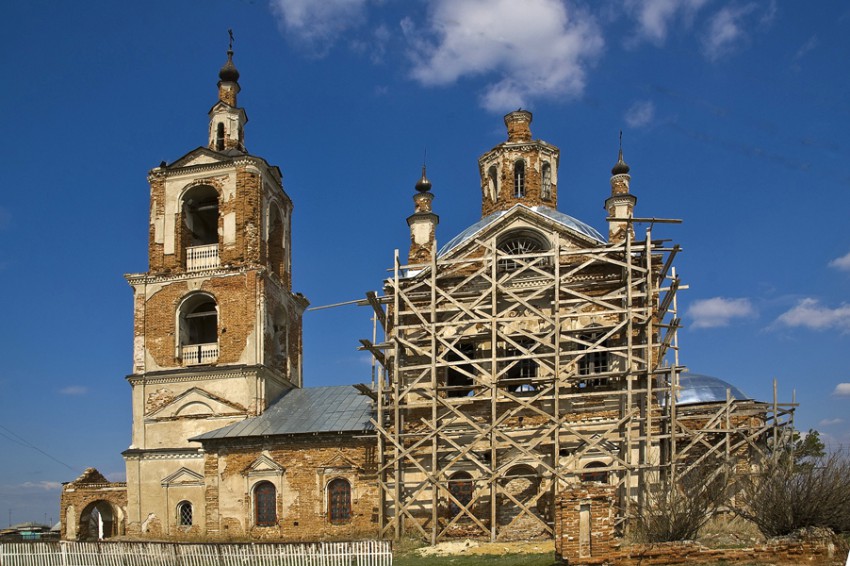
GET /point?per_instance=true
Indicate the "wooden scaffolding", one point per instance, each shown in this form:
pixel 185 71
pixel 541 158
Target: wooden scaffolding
pixel 504 376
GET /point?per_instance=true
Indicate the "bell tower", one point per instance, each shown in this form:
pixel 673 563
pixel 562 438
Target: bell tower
pixel 217 328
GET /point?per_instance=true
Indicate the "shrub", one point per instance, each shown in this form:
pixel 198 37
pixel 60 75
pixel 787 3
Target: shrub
pixel 674 512
pixel 790 493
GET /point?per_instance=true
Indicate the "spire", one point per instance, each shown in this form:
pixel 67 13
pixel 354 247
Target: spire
pixel 227 120
pixel 620 168
pixel 423 223
pixel 228 75
pixel 621 204
pixel 423 185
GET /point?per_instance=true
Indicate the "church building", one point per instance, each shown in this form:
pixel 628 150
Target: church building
pixel 527 356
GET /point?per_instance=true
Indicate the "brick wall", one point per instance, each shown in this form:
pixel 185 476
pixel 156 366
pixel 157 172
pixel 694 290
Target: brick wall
pixel 306 466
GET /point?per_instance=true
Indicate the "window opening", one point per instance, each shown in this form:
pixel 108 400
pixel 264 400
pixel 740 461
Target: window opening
pixel 202 323
pixel 458 380
pixel 184 514
pixel 339 501
pixel 493 181
pixel 594 474
pixel 219 137
pixel 519 179
pixel 593 362
pixel 200 213
pixel 519 244
pixel 265 505
pixel 460 486
pixel 524 368
pixel 546 189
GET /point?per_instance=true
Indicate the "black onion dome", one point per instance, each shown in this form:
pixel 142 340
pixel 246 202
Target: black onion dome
pixel 620 168
pixel 423 185
pixel 228 72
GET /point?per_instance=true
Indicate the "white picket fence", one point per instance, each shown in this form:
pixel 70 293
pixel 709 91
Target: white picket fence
pixel 360 553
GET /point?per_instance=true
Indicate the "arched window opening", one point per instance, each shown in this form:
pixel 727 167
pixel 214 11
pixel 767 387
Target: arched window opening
pixel 458 379
pixel 519 179
pixel 184 514
pixel 524 367
pixel 520 243
pixel 546 187
pixel 275 242
pixel 339 501
pixel 219 137
pixel 493 183
pixel 592 473
pixel 200 228
pixel 265 505
pixel 199 330
pixel 594 359
pixel 461 488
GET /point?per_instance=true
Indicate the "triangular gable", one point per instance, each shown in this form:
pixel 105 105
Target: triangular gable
pixel 572 231
pixel 196 403
pixel 339 461
pixel 199 156
pixel 90 476
pixel 183 477
pixel 264 465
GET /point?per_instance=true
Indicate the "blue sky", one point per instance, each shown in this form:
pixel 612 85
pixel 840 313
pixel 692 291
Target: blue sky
pixel 735 119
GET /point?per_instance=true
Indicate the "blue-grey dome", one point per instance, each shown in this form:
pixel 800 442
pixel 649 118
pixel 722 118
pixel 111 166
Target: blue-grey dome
pixel 696 388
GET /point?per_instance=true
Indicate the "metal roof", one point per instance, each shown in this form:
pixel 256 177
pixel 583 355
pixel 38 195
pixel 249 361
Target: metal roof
pixel 305 411
pixel 696 388
pixel 550 213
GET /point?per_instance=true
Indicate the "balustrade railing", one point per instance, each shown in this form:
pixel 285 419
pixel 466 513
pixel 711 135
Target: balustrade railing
pixel 201 257
pixel 196 354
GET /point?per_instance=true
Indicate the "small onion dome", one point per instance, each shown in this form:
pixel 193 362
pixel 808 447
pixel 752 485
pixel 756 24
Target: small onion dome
pixel 423 185
pixel 620 168
pixel 228 72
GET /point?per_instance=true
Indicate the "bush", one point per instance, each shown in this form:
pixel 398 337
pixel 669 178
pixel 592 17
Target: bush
pixel 788 494
pixel 678 511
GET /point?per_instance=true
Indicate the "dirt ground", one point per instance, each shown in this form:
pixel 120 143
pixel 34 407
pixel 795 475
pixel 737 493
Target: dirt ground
pixel 474 547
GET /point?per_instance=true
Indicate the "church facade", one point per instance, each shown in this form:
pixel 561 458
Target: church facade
pixel 526 356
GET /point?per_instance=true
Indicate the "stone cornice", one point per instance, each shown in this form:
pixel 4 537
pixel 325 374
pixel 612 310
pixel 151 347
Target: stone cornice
pixel 137 278
pixel 163 454
pixel 227 163
pixel 197 373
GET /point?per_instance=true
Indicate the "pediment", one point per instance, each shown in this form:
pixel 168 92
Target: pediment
pixel 199 156
pixel 264 465
pixel 197 403
pixel 339 461
pixel 572 232
pixel 183 477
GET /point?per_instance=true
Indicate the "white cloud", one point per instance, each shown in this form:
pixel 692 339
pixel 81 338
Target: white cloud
pixel 810 314
pixel 316 25
pixel 640 114
pixel 655 17
pixel 842 263
pixel 842 390
pixel 531 49
pixel 73 390
pixel 44 485
pixel 830 422
pixel 719 311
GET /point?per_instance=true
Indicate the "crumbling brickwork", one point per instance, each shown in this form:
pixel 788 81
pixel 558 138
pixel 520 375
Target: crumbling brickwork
pixel 82 496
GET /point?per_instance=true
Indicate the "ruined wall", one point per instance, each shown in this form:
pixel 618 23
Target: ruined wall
pixel 79 496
